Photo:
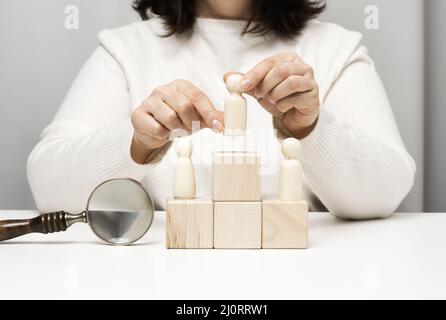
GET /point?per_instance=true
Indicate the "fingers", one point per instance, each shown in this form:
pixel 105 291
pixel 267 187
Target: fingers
pixel 255 76
pixel 298 120
pixel 271 108
pixel 286 87
pixel 182 107
pixel 228 74
pixel 292 85
pixel 179 104
pixel 305 103
pixel 148 126
pixel 170 107
pixel 165 115
pixel 202 105
pixel 277 75
pixel 263 102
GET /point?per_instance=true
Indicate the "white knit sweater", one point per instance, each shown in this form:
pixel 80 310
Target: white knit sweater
pixel 354 161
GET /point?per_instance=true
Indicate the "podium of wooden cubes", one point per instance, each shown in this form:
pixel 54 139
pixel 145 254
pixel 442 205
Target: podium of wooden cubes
pixel 236 217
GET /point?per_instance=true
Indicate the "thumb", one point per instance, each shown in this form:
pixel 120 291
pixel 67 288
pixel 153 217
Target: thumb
pixel 198 117
pixel 230 73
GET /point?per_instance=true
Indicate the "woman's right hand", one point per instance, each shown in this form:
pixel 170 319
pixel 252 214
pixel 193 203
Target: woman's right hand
pixel 170 107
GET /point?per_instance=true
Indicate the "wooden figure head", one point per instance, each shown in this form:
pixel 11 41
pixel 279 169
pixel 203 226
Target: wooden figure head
pixel 291 148
pixel 183 147
pixel 233 83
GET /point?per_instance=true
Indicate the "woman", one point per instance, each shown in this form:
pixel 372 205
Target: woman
pixel 315 80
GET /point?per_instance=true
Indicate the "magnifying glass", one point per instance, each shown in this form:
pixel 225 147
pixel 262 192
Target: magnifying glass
pixel 119 211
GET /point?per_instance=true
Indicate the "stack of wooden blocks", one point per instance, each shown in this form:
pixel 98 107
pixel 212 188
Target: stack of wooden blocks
pixel 236 217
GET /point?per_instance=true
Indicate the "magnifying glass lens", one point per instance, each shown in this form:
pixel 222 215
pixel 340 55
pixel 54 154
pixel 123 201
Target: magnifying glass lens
pixel 120 211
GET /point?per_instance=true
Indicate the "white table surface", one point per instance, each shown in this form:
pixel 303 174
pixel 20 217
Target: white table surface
pixel 401 257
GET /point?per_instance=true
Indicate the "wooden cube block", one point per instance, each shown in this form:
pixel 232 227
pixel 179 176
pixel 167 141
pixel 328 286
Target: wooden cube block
pixel 236 176
pixel 237 225
pixel 285 224
pixel 189 224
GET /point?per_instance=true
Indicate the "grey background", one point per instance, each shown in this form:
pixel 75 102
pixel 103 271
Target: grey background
pixel 39 59
pixel 435 134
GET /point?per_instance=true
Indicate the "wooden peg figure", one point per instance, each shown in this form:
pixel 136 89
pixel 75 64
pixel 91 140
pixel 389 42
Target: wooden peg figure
pixel 290 179
pixel 184 181
pixel 235 108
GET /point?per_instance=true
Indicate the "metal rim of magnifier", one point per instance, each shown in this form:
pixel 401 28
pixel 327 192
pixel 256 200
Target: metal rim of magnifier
pixel 152 213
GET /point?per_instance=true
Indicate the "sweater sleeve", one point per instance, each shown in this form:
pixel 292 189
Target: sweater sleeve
pixel 355 160
pixel 88 141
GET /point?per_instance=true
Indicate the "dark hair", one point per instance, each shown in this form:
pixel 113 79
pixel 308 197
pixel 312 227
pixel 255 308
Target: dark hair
pixel 286 18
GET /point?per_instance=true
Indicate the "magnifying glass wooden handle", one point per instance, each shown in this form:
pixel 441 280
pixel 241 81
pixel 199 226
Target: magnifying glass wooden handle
pixel 44 223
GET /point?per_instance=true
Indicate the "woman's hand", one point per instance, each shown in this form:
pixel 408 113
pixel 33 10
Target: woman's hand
pixel 170 107
pixel 285 86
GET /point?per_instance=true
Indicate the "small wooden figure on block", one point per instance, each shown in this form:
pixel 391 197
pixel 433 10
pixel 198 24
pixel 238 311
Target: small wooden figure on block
pixel 190 221
pixel 290 181
pixel 235 108
pixel 285 220
pixel 184 184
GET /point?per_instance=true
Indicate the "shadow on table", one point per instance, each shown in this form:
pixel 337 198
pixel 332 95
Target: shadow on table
pixel 331 220
pixel 321 225
pixel 98 243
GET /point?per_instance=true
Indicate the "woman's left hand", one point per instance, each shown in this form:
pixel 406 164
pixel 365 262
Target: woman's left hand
pixel 285 86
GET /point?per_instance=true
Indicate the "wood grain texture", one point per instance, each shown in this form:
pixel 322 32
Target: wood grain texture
pixel 237 225
pixel 190 224
pixel 236 176
pixel 285 224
